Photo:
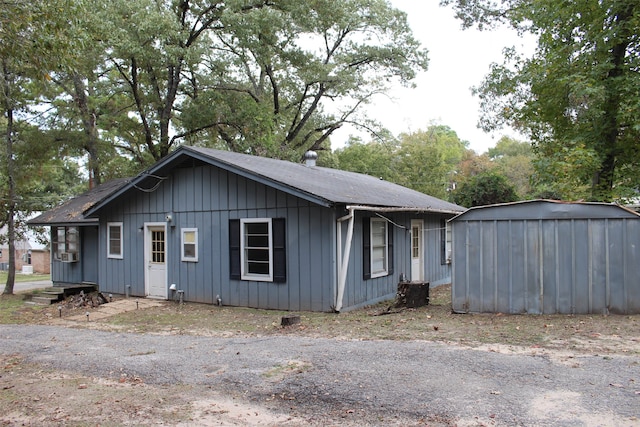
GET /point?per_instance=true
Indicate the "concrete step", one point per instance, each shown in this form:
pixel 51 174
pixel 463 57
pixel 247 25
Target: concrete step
pixel 42 299
pixel 54 294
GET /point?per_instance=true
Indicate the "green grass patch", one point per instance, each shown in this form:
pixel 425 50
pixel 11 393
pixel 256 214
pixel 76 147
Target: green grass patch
pixel 13 310
pixel 24 277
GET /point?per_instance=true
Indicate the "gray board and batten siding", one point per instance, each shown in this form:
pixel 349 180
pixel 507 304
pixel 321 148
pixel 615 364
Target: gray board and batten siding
pixel 207 199
pixel 548 257
pixel 71 214
pixel 208 189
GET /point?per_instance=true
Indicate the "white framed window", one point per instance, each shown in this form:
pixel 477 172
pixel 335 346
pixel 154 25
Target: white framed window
pixel 448 243
pixel 190 244
pixel 114 240
pixel 66 244
pixel 256 249
pixel 445 242
pixel 379 247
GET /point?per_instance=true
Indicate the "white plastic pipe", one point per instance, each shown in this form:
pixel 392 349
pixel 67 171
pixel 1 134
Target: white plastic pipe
pixel 344 263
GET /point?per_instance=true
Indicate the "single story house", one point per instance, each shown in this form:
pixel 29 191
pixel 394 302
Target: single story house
pixel 546 256
pixel 218 226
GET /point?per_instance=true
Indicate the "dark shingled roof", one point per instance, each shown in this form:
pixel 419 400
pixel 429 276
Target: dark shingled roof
pixel 71 211
pixel 331 185
pixel 324 186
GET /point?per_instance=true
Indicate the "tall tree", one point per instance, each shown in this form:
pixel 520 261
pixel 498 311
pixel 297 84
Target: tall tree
pixel 152 46
pixel 580 89
pixel 8 85
pixel 273 78
pixel 34 36
pixel 427 160
pixel 515 160
pixel 373 158
pixel 487 188
pixel 91 115
pixel 281 80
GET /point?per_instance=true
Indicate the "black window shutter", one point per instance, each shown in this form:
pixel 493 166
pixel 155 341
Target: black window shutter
pixel 366 248
pixel 279 250
pixel 234 249
pixel 390 247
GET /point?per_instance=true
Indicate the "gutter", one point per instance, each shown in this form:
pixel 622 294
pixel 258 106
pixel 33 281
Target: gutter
pixel 405 209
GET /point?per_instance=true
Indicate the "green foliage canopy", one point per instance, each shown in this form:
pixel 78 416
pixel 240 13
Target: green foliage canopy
pixel 484 189
pixel 282 79
pixel 34 39
pixel 580 89
pixel 272 78
pixel 423 160
pixel 515 161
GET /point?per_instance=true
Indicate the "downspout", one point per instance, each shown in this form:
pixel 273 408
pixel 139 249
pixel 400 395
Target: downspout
pixel 344 263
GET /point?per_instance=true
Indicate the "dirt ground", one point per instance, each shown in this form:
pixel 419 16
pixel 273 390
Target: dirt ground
pixel 33 395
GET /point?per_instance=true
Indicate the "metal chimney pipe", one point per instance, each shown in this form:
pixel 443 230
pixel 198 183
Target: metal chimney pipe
pixel 310 158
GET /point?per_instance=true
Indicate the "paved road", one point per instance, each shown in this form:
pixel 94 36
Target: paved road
pixel 27 286
pixel 409 380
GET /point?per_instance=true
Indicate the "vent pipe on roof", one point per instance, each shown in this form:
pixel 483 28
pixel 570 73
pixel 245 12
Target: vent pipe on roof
pixel 310 158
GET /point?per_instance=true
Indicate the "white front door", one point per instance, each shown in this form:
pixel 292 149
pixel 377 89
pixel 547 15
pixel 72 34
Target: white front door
pixel 417 251
pixel 155 258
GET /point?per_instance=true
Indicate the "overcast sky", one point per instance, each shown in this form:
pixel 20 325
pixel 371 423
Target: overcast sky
pixel 458 60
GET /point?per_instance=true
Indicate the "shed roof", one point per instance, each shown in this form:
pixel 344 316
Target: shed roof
pixel 72 211
pixel 546 209
pixel 324 186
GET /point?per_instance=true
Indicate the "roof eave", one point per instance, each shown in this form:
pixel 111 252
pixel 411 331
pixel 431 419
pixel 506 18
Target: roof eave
pixel 81 223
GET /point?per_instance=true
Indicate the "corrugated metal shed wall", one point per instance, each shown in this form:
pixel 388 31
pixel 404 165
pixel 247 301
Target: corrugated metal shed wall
pixel 503 263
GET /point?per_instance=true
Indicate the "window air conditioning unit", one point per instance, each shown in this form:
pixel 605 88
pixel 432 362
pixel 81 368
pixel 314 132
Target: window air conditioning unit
pixel 69 257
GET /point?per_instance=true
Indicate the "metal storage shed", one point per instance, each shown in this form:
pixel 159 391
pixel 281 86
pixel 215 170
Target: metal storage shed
pixel 544 256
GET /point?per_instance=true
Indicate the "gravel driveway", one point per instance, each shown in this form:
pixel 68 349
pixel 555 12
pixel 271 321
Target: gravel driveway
pixel 343 382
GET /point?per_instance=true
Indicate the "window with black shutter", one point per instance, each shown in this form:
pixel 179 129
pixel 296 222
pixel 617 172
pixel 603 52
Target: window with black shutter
pixel 377 248
pixel 257 249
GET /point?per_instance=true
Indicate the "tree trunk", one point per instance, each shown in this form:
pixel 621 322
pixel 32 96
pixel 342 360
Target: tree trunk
pixel 11 203
pixel 90 127
pixel 602 184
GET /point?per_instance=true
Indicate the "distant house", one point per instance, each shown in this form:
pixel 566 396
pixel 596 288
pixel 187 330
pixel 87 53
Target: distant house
pixel 545 256
pixel 30 255
pixel 251 231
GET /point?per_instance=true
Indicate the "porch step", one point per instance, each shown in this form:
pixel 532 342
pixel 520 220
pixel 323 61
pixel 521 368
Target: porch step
pixel 45 299
pixel 58 293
